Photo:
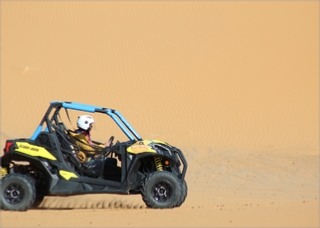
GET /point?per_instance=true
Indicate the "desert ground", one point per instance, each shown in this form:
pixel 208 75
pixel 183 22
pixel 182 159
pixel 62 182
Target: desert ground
pixel 233 84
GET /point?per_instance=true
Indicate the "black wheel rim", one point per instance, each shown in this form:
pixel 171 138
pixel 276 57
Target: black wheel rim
pixel 162 191
pixel 14 193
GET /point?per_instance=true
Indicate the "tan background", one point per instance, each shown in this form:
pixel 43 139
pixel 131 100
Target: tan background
pixel 234 84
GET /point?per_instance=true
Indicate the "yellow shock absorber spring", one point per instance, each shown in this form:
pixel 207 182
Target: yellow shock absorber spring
pixel 157 160
pixel 4 172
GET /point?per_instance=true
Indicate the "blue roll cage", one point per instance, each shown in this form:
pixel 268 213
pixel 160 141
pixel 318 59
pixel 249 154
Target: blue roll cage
pixel 114 114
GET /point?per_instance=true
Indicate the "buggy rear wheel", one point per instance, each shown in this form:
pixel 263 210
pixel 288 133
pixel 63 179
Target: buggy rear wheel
pixel 17 192
pixel 161 189
pixel 38 201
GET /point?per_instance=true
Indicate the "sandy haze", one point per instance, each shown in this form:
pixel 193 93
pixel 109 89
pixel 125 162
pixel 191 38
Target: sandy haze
pixel 234 84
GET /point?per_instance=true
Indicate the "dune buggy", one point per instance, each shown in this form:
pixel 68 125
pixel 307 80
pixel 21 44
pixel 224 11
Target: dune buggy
pixel 46 165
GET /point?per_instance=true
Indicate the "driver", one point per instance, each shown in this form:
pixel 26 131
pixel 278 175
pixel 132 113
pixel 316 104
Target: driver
pixel 83 139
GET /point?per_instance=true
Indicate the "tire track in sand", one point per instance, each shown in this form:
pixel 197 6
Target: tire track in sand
pixel 93 202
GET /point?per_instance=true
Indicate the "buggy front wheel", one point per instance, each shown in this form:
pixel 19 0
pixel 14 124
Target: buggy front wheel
pixel 184 192
pixel 161 189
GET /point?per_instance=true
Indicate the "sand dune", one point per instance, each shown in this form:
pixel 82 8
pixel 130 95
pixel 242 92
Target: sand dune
pixel 234 84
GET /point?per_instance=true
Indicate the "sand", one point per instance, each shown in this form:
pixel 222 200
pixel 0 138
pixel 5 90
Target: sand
pixel 233 84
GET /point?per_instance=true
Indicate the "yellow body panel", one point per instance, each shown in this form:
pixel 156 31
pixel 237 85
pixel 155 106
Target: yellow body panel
pixel 67 175
pixel 143 146
pixel 32 150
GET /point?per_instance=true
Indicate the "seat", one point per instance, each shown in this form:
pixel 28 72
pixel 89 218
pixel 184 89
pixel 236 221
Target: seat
pixel 68 149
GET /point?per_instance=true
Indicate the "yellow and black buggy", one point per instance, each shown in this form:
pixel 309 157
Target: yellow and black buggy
pixel 46 165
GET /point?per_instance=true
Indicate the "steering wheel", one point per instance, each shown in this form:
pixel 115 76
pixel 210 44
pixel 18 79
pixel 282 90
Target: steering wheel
pixel 111 140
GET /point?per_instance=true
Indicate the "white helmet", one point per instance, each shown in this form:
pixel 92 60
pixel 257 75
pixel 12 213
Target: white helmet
pixel 84 122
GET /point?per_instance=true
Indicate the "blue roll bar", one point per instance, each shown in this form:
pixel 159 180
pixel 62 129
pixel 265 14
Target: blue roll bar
pixel 80 107
pixel 120 124
pixel 36 132
pixel 127 124
pixel 114 114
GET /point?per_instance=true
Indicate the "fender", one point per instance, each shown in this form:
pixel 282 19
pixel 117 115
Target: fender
pixel 145 146
pixel 34 151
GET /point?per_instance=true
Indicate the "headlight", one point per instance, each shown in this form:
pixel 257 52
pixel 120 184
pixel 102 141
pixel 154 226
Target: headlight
pixel 162 150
